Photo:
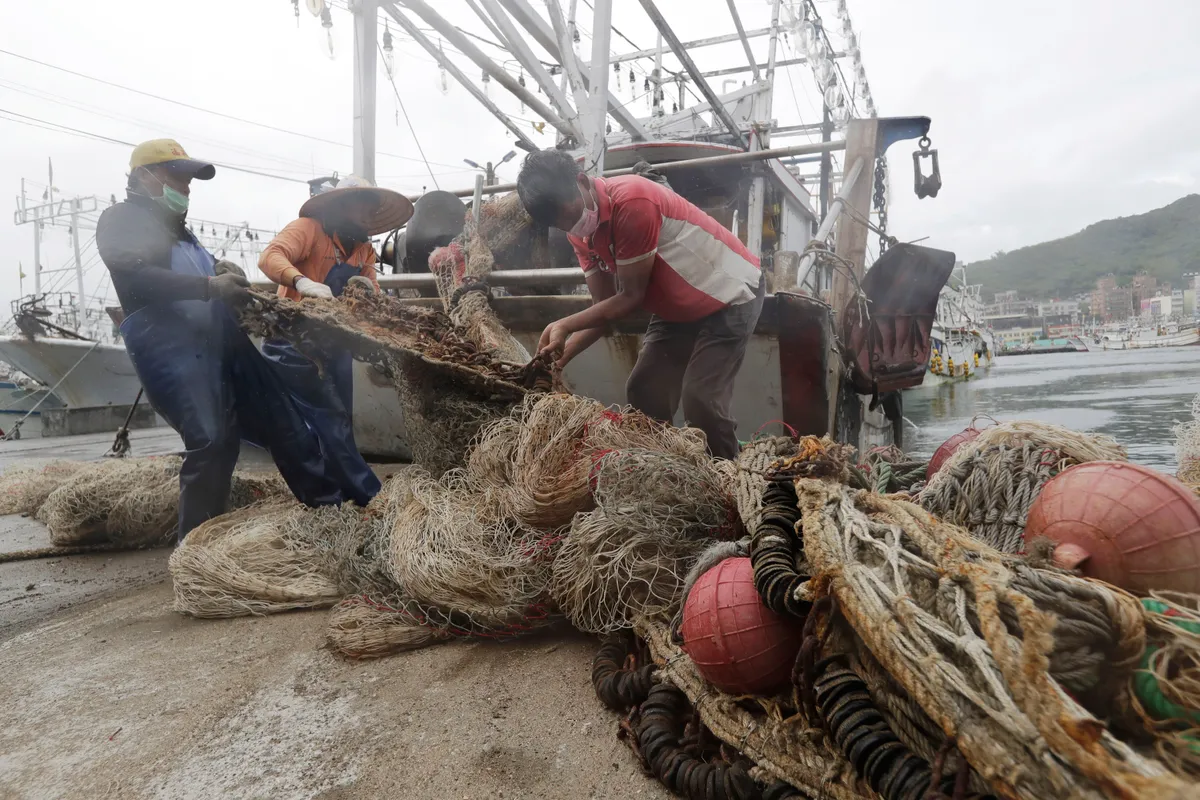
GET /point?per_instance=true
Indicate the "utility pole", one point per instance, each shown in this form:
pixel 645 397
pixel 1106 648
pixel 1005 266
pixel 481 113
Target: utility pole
pixel 80 303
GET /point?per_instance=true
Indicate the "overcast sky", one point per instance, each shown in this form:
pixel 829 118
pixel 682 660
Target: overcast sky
pixel 1048 115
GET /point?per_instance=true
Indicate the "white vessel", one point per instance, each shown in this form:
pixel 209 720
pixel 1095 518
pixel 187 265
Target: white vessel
pixel 1168 334
pixel 963 343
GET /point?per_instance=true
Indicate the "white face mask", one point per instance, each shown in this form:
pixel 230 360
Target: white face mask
pixel 588 221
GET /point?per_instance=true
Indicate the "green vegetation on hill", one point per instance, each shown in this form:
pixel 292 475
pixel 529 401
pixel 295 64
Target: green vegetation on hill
pixel 1164 243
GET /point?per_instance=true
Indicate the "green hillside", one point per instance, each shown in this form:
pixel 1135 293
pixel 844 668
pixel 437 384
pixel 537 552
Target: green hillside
pixel 1164 242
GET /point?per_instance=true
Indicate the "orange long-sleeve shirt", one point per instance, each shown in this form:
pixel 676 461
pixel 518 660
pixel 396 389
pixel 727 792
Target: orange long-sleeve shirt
pixel 304 248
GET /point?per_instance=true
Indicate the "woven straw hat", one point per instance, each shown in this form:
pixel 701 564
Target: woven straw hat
pixel 394 208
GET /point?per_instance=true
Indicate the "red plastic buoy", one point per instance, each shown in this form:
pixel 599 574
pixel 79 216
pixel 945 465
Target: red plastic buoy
pixel 738 644
pixel 1126 524
pixel 947 449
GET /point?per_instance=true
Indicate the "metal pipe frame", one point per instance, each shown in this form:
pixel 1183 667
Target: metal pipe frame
pixel 601 33
pixel 729 37
pixel 700 108
pixel 512 277
pixel 562 32
pixel 835 210
pixel 741 32
pixel 709 161
pixel 420 38
pixel 688 64
pixel 717 73
pixel 523 13
pixel 366 28
pixel 468 48
pixel 519 48
pixel 491 26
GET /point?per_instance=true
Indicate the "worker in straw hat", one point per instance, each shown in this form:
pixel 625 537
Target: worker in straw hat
pixel 317 256
pixel 198 369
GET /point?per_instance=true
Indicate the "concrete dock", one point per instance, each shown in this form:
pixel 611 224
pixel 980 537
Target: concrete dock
pixel 108 693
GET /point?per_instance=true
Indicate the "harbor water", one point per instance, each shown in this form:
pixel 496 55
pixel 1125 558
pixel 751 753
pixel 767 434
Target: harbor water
pixel 1137 397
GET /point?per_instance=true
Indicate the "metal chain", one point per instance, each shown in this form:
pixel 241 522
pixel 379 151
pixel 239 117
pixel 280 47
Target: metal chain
pixel 881 201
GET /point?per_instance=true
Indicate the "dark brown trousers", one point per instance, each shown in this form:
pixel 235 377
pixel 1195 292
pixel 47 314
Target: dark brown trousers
pixel 695 363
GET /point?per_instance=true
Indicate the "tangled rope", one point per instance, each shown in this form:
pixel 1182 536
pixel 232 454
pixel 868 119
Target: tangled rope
pixel 920 592
pixel 1166 685
pixel 989 484
pixel 1187 447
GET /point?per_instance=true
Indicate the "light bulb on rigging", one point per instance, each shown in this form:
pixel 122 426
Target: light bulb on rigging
pixel 327 24
pixel 487 82
pixel 833 96
pixel 521 82
pixel 443 81
pixel 823 70
pixel 296 9
pixel 389 56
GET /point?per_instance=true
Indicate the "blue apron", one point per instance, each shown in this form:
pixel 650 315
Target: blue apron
pixel 327 401
pixel 202 374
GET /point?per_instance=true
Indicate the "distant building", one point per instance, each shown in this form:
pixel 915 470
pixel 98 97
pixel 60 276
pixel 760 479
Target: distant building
pixel 1159 308
pixel 1055 308
pixel 1112 303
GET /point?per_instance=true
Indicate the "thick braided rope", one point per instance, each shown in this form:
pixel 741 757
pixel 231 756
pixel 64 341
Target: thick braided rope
pixel 919 593
pixel 989 484
pixel 751 467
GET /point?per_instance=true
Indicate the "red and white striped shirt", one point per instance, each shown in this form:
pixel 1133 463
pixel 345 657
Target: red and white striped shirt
pixel 700 267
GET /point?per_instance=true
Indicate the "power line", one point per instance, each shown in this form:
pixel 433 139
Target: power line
pixel 421 150
pixel 197 108
pixel 35 122
pixel 64 101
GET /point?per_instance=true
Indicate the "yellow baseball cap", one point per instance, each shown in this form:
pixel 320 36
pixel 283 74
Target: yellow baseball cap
pixel 170 154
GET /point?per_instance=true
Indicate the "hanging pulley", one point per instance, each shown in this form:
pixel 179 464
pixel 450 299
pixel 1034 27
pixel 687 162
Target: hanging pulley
pixel 926 185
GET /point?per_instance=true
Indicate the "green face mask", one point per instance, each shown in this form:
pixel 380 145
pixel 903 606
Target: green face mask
pixel 173 201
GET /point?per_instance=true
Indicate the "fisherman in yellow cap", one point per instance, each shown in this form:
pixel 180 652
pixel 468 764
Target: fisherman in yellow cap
pixel 317 256
pixel 198 368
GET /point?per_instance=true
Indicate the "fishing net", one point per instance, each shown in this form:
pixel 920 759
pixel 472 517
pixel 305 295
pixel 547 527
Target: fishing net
pixel 988 485
pixel 551 444
pixel 606 576
pixel 23 490
pixel 452 550
pixel 462 267
pixel 1187 447
pixel 448 385
pixel 257 560
pixel 132 502
pixel 1166 686
pixel 640 488
pixel 1020 664
pixel 360 627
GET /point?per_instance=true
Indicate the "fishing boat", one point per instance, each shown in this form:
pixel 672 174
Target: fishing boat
pixel 963 343
pixel 1168 334
pixel 820 362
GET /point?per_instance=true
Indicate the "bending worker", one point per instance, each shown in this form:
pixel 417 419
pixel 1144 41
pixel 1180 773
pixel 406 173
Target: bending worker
pixel 317 256
pixel 642 246
pixel 200 372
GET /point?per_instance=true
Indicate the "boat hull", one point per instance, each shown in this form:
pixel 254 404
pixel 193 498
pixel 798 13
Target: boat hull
pixel 1183 338
pixel 788 379
pixel 107 377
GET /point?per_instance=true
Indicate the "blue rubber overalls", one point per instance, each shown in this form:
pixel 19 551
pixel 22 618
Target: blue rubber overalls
pixel 203 375
pixel 327 402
